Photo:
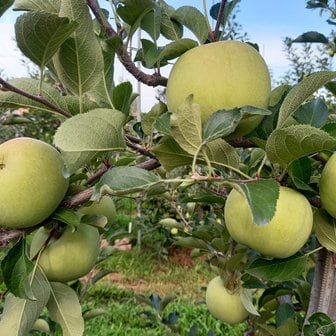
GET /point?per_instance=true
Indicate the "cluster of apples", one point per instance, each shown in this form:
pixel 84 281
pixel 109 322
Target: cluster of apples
pixel 33 184
pixel 226 75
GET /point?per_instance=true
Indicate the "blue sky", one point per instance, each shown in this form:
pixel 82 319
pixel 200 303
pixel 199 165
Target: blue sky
pixel 267 22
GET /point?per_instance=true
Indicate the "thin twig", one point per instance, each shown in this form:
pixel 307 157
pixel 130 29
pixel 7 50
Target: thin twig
pixel 219 18
pixel 124 57
pixel 4 85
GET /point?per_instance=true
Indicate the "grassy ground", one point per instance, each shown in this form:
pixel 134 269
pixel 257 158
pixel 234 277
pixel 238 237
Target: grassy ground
pixel 137 272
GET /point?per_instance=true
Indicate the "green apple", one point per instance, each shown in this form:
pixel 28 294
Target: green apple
pixel 104 207
pixel 69 257
pixel 221 75
pixel 223 304
pixel 32 182
pixel 328 186
pixel 283 236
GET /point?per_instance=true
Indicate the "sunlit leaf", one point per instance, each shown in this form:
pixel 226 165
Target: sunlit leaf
pixel 50 6
pixel 301 91
pixel 290 143
pixel 65 309
pixel 325 229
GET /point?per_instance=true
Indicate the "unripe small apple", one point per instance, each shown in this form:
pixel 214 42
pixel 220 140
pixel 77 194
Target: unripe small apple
pixel 283 236
pixel 69 257
pixel 328 186
pixel 225 305
pixel 32 182
pixel 221 75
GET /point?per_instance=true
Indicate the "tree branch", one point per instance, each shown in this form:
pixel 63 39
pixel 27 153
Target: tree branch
pixel 219 18
pixel 123 56
pixel 5 86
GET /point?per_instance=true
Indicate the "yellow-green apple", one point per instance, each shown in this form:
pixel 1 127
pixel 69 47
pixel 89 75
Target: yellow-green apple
pixel 328 186
pixel 104 207
pixel 283 236
pixel 221 75
pixel 223 304
pixel 68 257
pixel 32 182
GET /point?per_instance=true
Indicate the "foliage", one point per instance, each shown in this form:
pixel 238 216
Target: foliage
pixel 163 157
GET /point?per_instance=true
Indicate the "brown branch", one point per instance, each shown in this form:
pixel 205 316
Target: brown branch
pixel 219 18
pixel 4 85
pixel 123 55
pixel 323 292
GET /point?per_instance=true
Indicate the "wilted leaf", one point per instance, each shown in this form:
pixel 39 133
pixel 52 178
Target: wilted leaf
pixel 301 91
pixel 79 61
pixel 125 180
pixel 65 309
pixel 290 143
pixel 39 35
pixel 80 141
pixel 279 269
pixel 262 197
pixel 194 20
pixel 19 315
pixel 16 268
pixel 325 229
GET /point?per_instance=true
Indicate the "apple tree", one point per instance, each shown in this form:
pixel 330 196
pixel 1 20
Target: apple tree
pixel 257 160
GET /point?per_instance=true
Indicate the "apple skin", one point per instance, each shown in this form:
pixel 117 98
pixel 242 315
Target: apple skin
pixel 221 75
pixel 32 182
pixel 224 305
pixel 104 207
pixel 328 186
pixel 69 257
pixel 283 236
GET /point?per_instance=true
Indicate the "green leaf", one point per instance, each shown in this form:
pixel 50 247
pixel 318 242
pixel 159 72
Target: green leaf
pixel 170 28
pixel 194 20
pixel 162 123
pixel 186 126
pixel 4 5
pixel 290 143
pixel 176 48
pixel 9 99
pixel 284 312
pixel 221 153
pixel 262 197
pixel 148 119
pixel 300 172
pixel 80 142
pixel 50 6
pixel 40 34
pixel 289 328
pixel 220 124
pixel 67 216
pixel 301 91
pixel 311 37
pixel 133 11
pixel 16 268
pixel 325 229
pixel 314 113
pixel 122 97
pixel 151 22
pixel 79 61
pixel 125 180
pixel 65 309
pixel 319 324
pixel 279 269
pixel 247 300
pixel 191 242
pixel 19 315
